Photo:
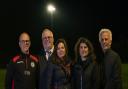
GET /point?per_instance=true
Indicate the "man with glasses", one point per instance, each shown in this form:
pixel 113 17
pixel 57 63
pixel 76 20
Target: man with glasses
pixel 22 71
pixel 45 54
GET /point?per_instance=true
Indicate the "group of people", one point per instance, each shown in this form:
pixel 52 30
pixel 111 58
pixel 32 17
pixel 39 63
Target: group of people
pixel 53 68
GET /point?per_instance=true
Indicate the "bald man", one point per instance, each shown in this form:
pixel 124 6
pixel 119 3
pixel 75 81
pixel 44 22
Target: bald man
pixel 22 71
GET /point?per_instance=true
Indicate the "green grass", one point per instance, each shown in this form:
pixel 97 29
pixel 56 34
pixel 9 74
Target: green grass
pixel 124 76
pixel 2 78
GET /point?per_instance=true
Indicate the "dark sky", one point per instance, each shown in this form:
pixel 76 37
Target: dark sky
pixel 72 19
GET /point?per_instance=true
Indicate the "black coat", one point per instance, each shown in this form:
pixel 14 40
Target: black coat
pixel 22 72
pixel 112 70
pixel 51 75
pixel 84 75
pixel 44 69
pixel 60 79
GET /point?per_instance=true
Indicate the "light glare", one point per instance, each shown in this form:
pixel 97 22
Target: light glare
pixel 51 8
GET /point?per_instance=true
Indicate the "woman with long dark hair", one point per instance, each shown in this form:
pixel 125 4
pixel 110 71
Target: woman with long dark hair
pixel 58 76
pixel 84 69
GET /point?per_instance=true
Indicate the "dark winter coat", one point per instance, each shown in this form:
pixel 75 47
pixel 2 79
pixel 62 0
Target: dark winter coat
pixel 112 70
pixel 84 75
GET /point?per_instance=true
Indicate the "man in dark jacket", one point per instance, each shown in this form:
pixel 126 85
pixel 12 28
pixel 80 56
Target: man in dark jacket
pixel 111 63
pixel 45 54
pixel 22 70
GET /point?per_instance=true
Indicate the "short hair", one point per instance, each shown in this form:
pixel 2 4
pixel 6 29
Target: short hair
pixel 23 34
pixel 47 28
pixel 105 30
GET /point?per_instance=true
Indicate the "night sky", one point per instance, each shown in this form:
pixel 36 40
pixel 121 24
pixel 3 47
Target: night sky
pixel 71 20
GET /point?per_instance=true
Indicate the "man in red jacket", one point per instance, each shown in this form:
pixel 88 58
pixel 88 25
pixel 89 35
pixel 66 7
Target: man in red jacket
pixel 22 71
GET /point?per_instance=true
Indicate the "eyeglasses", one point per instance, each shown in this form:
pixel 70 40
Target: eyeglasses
pixel 24 41
pixel 48 37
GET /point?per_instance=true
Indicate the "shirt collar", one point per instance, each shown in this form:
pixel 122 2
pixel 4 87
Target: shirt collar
pixel 51 50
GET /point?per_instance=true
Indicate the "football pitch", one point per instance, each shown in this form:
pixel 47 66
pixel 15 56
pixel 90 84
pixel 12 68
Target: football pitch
pixel 124 76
